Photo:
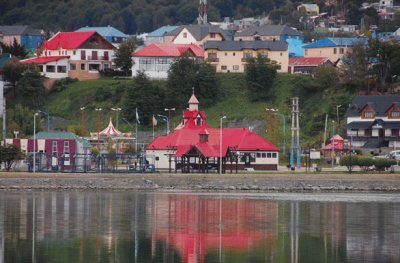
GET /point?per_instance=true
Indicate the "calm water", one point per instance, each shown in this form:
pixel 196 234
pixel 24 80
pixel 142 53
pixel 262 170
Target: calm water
pixel 139 227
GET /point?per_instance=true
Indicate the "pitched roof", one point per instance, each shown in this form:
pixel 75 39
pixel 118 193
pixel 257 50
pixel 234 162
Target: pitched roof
pixel 162 31
pixel 193 100
pixel 311 61
pixel 337 41
pixel 199 32
pixel 110 130
pixel 42 60
pixel 379 103
pixel 18 30
pixel 70 40
pixel 168 50
pixel 268 30
pixel 105 31
pixel 240 45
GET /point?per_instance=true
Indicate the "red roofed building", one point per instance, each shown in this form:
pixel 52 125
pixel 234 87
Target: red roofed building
pixel 156 59
pixel 195 146
pixel 74 54
pixel 307 65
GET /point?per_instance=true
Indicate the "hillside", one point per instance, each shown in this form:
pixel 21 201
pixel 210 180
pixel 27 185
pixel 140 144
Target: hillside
pixel 131 17
pixel 240 112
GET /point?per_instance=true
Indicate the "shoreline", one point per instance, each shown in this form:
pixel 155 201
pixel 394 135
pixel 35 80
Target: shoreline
pixel 230 183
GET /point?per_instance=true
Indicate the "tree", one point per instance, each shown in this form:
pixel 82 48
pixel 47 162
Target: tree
pixel 187 73
pixel 9 154
pixel 30 87
pixel 326 77
pixel 12 72
pixel 354 68
pixel 144 96
pixel 15 49
pixel 123 54
pixel 260 73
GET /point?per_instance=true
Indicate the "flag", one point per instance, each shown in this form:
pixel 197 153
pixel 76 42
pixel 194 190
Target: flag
pixel 154 120
pixel 137 117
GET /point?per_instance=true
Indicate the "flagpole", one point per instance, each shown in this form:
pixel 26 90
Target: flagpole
pixel 153 125
pixel 136 131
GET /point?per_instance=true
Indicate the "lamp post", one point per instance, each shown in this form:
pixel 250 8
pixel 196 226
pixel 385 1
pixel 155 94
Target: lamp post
pixel 98 127
pixel 169 117
pixel 333 141
pixel 34 141
pixel 165 118
pixel 220 143
pixel 117 113
pixel 48 119
pixel 337 113
pixel 16 134
pixel 83 121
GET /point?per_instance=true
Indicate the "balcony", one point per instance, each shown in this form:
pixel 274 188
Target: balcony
pixel 246 59
pixel 97 58
pixel 212 60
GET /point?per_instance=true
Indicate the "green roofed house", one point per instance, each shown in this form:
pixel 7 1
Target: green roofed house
pixel 57 149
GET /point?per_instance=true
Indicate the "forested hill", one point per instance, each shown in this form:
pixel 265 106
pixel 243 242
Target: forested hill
pixel 130 16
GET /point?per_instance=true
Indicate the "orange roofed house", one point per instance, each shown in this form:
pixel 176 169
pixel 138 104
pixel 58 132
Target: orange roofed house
pixel 74 54
pixel 156 59
pixel 195 146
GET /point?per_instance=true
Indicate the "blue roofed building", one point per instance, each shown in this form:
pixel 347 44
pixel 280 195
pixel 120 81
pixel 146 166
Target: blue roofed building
pixel 113 35
pixel 157 36
pixel 333 48
pixel 24 35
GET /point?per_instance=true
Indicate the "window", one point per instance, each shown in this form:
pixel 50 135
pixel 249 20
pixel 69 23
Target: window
pixel 281 54
pixel 395 114
pixel 61 69
pixel 83 55
pixel 226 54
pixel 94 55
pixel 341 50
pixel 258 155
pixel 66 146
pixel 368 114
pixel 395 132
pixel 40 67
pixel 269 155
pixel 106 58
pixel 274 155
pixel 264 155
pixel 212 35
pixel 334 51
pixel 50 68
pixel 93 67
pixel 185 35
pixel 83 66
pixel 305 52
pixel 235 67
pixel 54 149
pixel 234 54
pixel 223 67
pixel 72 66
pixel 106 66
pixel 74 52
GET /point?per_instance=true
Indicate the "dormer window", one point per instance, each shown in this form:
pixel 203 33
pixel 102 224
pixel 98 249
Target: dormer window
pixel 198 120
pixel 368 114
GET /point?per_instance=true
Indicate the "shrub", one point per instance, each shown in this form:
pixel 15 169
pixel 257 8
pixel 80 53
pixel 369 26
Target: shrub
pixel 364 162
pixel 349 161
pixel 383 163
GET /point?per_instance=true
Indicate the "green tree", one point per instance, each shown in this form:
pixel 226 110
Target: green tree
pixel 30 87
pixel 12 72
pixel 187 73
pixel 260 74
pixel 14 49
pixel 326 77
pixel 123 54
pixel 145 96
pixel 354 68
pixel 9 154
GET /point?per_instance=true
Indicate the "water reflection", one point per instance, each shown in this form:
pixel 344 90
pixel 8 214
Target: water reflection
pixel 139 227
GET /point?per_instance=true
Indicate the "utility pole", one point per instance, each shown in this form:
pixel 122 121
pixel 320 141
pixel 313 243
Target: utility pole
pixel 295 132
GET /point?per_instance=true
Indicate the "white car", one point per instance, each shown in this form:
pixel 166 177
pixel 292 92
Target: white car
pixel 395 154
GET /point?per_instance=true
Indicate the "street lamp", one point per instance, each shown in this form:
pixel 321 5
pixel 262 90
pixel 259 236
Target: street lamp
pixel 165 118
pixel 48 119
pixel 117 110
pixel 333 141
pixel 98 127
pixel 34 141
pixel 220 143
pixel 169 117
pixel 16 134
pixel 337 113
pixel 83 121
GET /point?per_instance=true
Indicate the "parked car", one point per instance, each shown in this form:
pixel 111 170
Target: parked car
pixel 395 155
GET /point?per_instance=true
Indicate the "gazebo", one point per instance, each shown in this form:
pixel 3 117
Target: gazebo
pixel 338 147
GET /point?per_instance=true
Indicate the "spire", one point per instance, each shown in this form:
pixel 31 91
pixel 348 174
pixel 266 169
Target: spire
pixel 193 102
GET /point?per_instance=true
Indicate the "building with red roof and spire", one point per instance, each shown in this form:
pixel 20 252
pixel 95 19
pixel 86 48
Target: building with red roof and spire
pixel 194 146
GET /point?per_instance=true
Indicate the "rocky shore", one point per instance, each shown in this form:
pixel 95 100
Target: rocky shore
pixel 203 182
